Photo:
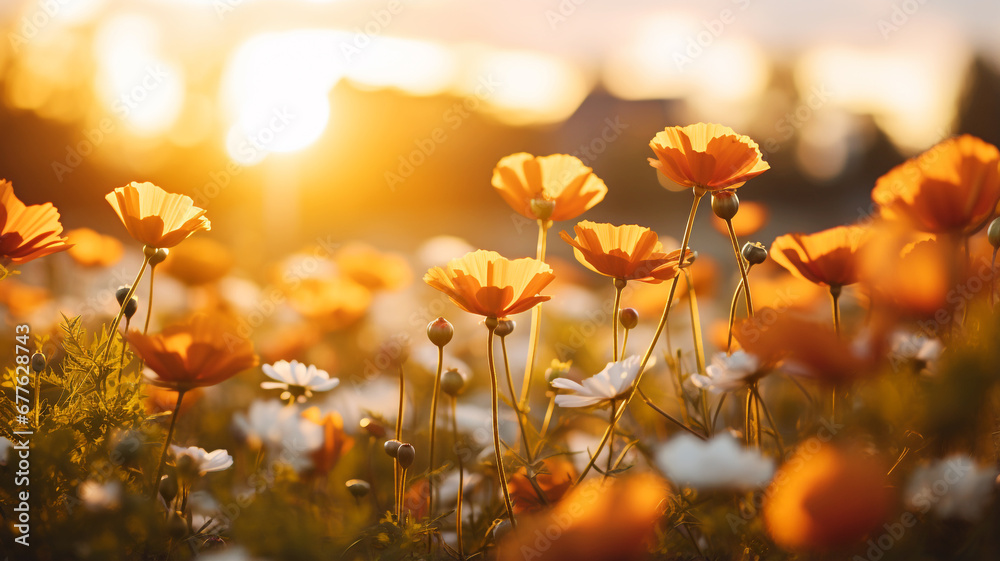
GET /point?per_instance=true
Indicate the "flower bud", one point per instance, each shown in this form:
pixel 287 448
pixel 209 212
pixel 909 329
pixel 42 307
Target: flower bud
pixel 628 317
pixel 37 362
pixel 374 428
pixel 452 382
pixel 542 208
pixel 725 204
pixel 358 488
pixel 754 253
pixel 505 327
pixel 131 307
pixel 440 332
pixel 391 447
pixel 557 370
pixel 405 455
pixel 121 293
pixel 993 233
pixel 158 256
pixel 168 488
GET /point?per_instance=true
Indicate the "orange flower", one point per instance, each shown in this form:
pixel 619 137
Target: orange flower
pixel 749 220
pixel 626 252
pixel 373 269
pixel 523 179
pixel 826 498
pixel 808 348
pixel 558 478
pixel 336 443
pixel 332 302
pixel 829 258
pixel 613 521
pixel 155 217
pixel 952 188
pixel 709 156
pixel 199 261
pixel 163 400
pixel 201 352
pixel 27 232
pixel 91 249
pixel 485 283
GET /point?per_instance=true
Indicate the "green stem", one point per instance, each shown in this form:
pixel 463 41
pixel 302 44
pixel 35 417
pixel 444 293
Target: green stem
pixel 433 431
pixel 770 421
pixel 461 479
pixel 166 445
pixel 668 416
pixel 742 265
pixel 625 341
pixel 699 349
pixel 548 416
pixel 513 399
pixel 399 436
pixel 619 286
pixel 611 441
pixel 536 320
pixel 491 324
pixel 698 194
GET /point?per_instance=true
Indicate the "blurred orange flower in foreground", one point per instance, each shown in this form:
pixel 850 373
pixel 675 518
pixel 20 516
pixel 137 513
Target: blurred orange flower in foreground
pixel 555 482
pixel 199 261
pixel 952 188
pixel 828 258
pixel 201 352
pixel 27 232
pixel 751 217
pixel 336 443
pixel 524 181
pixel 92 249
pixel 155 217
pixel 488 284
pixel 627 252
pixel 708 156
pixel 613 521
pixel 826 498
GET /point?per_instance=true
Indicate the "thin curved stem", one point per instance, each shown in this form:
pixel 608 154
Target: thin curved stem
pixel 770 421
pixel 166 445
pixel 747 426
pixel 536 320
pixel 835 291
pixel 433 432
pixel 742 266
pixel 625 341
pixel 461 479
pixel 611 441
pixel 698 194
pixel 513 399
pixel 619 286
pixel 732 311
pixel 668 416
pixel 548 417
pixel 397 469
pixel 495 394
pixel 699 349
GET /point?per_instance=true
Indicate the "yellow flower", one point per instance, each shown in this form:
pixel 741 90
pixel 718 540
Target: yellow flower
pixel 485 283
pixel 27 232
pixel 155 217
pixel 708 156
pixel 556 187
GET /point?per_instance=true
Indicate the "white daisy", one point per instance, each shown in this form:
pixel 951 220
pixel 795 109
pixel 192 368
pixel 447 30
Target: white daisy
pixel 204 461
pixel 720 463
pixel 297 379
pixel 915 347
pixel 609 384
pixel 281 430
pixel 954 487
pixel 728 372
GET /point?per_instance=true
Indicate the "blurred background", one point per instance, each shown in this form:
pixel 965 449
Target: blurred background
pixel 381 120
